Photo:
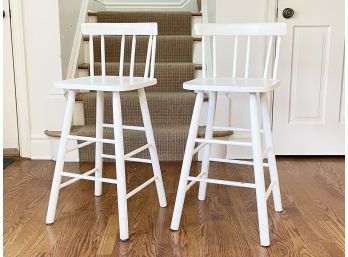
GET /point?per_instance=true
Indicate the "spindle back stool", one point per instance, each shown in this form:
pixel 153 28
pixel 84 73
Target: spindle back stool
pixel 257 89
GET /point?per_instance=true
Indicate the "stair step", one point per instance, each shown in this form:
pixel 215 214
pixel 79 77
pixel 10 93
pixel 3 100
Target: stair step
pixel 75 131
pixel 170 76
pixel 195 39
pixel 168 48
pixel 85 66
pixel 178 106
pixel 94 14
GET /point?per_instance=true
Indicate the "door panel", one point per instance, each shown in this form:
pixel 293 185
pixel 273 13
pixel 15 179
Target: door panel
pixel 10 135
pixel 308 107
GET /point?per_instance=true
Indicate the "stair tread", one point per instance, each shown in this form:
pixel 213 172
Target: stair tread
pixel 94 14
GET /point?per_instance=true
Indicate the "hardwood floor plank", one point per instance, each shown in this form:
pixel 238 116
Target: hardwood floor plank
pixel 225 224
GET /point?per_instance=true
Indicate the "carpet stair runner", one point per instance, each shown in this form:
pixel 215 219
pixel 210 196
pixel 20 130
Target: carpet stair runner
pixel 170 106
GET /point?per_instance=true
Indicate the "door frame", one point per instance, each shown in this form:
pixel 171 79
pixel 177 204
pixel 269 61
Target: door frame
pixel 20 77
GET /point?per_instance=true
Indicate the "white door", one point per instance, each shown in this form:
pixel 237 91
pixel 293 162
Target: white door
pixel 308 113
pixel 10 113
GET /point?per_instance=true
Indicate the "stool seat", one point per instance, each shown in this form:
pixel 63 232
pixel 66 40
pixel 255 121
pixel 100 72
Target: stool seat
pixel 106 83
pixel 235 85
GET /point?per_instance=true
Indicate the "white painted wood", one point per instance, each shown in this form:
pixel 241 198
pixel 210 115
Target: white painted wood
pixel 52 204
pixel 208 136
pixel 120 29
pixel 10 129
pixel 134 42
pixel 233 85
pixel 22 92
pixel 153 151
pixel 99 145
pixel 136 151
pixel 258 171
pixel 177 4
pixel 306 113
pixel 92 178
pixel 243 29
pixel 269 152
pixel 122 56
pixel 222 182
pixel 107 83
pixel 142 186
pixel 120 167
pixel 91 56
pixel 70 181
pixel 255 87
pixel 185 169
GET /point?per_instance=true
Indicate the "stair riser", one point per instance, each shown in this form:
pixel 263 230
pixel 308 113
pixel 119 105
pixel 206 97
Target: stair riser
pixel 179 109
pixel 84 73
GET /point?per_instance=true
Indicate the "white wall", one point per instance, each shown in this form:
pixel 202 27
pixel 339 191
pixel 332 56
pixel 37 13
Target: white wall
pixel 68 17
pixel 43 65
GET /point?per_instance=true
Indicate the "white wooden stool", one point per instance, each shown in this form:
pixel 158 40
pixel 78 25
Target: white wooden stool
pixel 257 88
pixel 114 84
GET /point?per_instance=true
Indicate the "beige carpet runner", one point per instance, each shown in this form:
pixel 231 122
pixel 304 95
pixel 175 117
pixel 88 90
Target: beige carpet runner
pixel 170 106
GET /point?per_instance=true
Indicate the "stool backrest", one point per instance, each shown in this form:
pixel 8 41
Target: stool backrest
pixel 122 29
pixel 272 31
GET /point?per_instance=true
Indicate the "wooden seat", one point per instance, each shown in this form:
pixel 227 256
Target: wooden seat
pixel 257 89
pixel 232 85
pixel 106 83
pixel 114 84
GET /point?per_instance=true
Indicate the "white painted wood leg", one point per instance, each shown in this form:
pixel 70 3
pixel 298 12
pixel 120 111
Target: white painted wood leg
pixel 270 154
pixel 52 204
pixel 99 145
pixel 186 165
pixel 153 151
pixel 120 167
pixel 207 148
pixel 258 171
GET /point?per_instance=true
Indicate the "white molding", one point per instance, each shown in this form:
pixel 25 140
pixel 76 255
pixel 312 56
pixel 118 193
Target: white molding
pixel 142 4
pixel 19 59
pixel 75 50
pixel 40 147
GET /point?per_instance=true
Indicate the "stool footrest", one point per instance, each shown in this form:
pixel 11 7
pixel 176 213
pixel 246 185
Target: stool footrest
pixel 73 180
pixel 91 139
pixel 125 127
pixel 222 142
pixel 194 181
pixel 199 147
pixel 142 186
pixel 82 176
pixel 138 150
pixel 222 182
pixel 79 146
pixel 241 162
pixel 269 190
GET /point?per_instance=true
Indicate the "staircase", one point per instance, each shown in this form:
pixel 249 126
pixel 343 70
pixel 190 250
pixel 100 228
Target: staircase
pixel 170 106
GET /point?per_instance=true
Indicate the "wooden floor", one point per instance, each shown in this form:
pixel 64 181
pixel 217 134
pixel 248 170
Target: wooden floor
pixel 225 224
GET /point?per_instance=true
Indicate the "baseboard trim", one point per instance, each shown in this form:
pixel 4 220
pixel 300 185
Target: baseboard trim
pixel 11 152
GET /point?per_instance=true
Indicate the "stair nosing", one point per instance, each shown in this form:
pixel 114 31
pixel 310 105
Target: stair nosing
pixel 85 66
pixel 94 14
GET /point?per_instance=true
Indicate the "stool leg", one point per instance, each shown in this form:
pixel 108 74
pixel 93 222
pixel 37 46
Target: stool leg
pixel 258 171
pixel 186 165
pixel 270 155
pixel 52 204
pixel 153 151
pixel 120 167
pixel 99 145
pixel 207 148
